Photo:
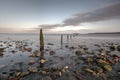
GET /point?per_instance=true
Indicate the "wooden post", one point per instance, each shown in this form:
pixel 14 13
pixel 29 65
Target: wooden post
pixel 61 41
pixel 41 49
pixel 41 43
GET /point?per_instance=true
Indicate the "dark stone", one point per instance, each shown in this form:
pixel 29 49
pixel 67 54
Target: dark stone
pixel 66 46
pixel 118 48
pixel 4 72
pixel 11 73
pixel 47 78
pixel 50 44
pixel 52 52
pixel 85 48
pixel 41 65
pixel 78 52
pixel 2 49
pixel 112 48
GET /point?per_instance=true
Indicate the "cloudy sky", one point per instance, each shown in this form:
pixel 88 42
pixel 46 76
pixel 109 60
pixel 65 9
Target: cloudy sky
pixel 59 16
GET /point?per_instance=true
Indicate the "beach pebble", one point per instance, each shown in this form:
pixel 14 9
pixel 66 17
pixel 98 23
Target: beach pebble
pixel 23 74
pixel 118 48
pixel 107 67
pixel 31 55
pixel 2 49
pixel 97 69
pixel 43 73
pixel 112 48
pixel 89 70
pixel 52 52
pixel 62 58
pixel 32 62
pixel 23 50
pixel 29 49
pixel 66 67
pixel 62 71
pixel 78 52
pixel 42 61
pixel 32 69
pixel 36 53
pixel 47 78
pixel 4 72
pixel 50 44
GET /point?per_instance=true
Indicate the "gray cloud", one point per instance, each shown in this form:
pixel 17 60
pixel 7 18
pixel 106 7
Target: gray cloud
pixel 108 12
pixel 111 11
pixel 44 26
pixel 4 30
pixel 49 26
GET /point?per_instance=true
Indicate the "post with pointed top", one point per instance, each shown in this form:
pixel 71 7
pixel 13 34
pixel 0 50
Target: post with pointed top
pixel 61 41
pixel 41 43
pixel 42 59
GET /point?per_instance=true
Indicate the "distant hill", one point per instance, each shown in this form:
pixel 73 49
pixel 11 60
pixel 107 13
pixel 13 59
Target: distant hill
pixel 98 33
pixel 106 33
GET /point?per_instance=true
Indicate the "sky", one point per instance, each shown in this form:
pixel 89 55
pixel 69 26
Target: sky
pixel 59 16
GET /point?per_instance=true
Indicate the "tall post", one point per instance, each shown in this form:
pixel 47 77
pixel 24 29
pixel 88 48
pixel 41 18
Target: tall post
pixel 42 60
pixel 41 43
pixel 61 41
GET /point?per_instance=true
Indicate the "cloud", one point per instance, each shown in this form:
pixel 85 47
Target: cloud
pixel 49 26
pixel 4 30
pixel 111 11
pixel 108 12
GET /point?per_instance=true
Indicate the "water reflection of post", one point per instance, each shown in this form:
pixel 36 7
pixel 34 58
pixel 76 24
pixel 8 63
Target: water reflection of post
pixel 20 66
pixel 42 59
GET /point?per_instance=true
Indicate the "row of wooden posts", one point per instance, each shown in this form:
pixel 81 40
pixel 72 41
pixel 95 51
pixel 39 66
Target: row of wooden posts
pixel 42 41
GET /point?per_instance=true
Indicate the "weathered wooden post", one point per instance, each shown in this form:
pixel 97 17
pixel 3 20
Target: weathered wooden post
pixel 41 43
pixel 42 59
pixel 61 41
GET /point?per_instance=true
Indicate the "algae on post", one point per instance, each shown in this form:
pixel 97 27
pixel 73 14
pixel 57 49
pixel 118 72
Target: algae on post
pixel 41 42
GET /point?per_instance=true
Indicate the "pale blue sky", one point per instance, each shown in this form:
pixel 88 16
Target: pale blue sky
pixel 20 16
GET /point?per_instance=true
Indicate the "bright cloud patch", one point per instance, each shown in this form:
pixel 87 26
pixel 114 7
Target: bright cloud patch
pixel 68 28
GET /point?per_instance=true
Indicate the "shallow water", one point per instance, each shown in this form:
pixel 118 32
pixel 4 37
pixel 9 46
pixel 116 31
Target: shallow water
pixel 10 60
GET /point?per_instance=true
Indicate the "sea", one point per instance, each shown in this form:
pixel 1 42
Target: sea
pixel 55 37
pixel 10 60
